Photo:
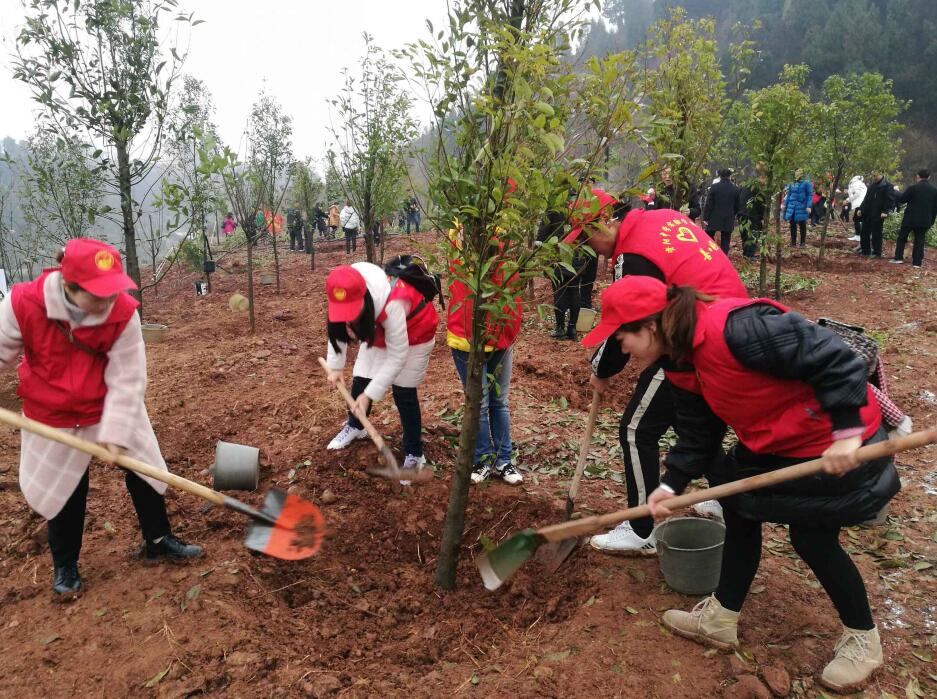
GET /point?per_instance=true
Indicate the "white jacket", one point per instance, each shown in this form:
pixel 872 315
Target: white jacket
pixel 856 192
pixel 349 218
pixel 394 356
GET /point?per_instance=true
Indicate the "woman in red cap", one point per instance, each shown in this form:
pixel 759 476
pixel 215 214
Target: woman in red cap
pixel 396 328
pixel 792 391
pixel 84 371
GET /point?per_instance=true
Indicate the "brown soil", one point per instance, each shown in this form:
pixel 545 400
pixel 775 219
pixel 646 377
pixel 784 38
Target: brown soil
pixel 364 617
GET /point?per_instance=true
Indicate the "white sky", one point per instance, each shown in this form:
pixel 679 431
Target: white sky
pixel 295 48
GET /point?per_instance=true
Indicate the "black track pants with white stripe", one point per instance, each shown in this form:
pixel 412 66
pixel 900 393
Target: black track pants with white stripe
pixel 647 416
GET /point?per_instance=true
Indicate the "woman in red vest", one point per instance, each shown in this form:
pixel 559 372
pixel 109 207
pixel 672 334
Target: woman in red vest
pixel 84 371
pixel 396 329
pixel 792 391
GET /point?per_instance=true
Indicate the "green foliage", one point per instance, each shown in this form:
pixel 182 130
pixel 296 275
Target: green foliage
pixel 98 70
pixel 892 224
pixel 372 137
pixel 270 150
pixel 189 251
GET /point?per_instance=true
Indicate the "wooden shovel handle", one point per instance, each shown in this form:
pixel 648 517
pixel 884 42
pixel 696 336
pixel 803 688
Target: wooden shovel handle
pixel 144 469
pixel 587 525
pixel 584 449
pixel 375 436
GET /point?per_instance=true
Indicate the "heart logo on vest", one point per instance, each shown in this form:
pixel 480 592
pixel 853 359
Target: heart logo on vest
pixel 103 260
pixel 339 294
pixel 686 235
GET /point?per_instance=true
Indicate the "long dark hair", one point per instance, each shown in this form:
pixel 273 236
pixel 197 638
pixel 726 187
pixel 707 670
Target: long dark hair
pixel 364 325
pixel 676 324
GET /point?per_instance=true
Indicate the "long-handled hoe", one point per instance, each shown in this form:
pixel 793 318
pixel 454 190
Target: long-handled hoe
pixel 499 564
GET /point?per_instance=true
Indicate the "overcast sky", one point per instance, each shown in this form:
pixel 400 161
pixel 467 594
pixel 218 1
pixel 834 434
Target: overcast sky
pixel 295 48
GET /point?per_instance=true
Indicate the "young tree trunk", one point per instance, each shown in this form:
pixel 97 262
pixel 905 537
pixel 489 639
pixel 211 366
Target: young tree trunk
pixel 368 240
pixel 250 283
pixel 779 250
pixel 126 210
pixel 276 261
pixel 454 526
pixel 826 221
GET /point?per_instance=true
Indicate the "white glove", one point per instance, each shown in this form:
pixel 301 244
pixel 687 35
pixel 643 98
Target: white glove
pixel 903 429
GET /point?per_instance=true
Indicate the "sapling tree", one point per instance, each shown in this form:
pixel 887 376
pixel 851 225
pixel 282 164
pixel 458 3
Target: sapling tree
pixel 770 128
pixel 99 70
pixel 306 188
pixel 371 134
pixel 854 129
pixel 499 89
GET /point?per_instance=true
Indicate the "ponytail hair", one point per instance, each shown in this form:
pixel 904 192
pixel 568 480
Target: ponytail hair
pixel 678 321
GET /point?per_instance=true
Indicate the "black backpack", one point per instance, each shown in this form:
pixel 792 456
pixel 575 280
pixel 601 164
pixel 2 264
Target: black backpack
pixel 412 270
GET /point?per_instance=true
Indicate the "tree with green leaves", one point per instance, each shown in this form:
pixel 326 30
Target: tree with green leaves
pixel 98 68
pixel 688 94
pixel 500 89
pixel 270 154
pixel 370 140
pixel 67 192
pixel 770 128
pixel 306 189
pixel 854 130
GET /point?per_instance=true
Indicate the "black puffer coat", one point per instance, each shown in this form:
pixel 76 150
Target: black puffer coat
pixel 785 345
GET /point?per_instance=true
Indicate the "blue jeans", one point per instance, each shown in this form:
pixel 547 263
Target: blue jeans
pixel 493 443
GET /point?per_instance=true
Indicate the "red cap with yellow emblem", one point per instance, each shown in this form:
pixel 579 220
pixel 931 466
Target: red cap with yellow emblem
pixel 345 288
pixel 95 267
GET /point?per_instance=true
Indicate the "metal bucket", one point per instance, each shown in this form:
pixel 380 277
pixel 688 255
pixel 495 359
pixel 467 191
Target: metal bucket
pixel 690 553
pixel 267 278
pixel 154 333
pixel 586 320
pixel 236 467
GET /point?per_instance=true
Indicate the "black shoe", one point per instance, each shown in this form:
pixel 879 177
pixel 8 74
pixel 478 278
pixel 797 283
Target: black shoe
pixel 558 334
pixel 66 582
pixel 571 333
pixel 170 547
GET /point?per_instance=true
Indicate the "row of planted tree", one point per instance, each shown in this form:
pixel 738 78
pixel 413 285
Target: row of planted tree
pixel 509 101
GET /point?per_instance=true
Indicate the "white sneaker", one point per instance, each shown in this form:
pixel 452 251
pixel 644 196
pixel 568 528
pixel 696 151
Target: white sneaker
pixel 412 463
pixel 709 508
pixel 509 474
pixel 346 436
pixel 854 238
pixel 622 540
pixel 896 262
pixel 481 472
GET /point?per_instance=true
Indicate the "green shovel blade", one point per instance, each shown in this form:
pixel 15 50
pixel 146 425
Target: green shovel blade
pixel 502 562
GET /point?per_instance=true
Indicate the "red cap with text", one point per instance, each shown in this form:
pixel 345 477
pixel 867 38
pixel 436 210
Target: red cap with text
pixel 345 288
pixel 579 221
pixel 95 267
pixel 629 299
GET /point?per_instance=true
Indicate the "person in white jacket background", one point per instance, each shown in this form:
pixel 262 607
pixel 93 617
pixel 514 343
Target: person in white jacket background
pixel 395 327
pixel 855 193
pixel 350 223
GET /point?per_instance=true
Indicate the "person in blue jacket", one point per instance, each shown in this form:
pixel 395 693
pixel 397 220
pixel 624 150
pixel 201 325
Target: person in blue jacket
pixel 798 201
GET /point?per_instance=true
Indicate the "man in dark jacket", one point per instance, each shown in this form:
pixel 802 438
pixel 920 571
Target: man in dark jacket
pixel 879 200
pixel 919 216
pixel 722 206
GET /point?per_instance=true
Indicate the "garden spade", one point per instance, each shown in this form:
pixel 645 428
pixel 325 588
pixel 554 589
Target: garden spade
pixel 557 552
pixel 286 526
pixel 387 467
pixel 500 563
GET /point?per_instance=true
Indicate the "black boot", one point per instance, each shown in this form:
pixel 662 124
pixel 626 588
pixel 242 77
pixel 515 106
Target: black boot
pixel 170 547
pixel 66 582
pixel 571 331
pixel 559 334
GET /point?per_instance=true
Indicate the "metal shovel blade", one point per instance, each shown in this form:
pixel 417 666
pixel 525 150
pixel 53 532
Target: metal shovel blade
pixel 556 553
pixel 502 562
pixel 395 473
pixel 289 528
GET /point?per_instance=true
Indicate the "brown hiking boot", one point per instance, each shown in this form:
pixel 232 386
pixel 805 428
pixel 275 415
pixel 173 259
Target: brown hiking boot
pixel 858 655
pixel 709 623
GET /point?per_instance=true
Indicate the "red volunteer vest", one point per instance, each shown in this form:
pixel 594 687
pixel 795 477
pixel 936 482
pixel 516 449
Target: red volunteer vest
pixel 769 415
pixel 420 328
pixel 500 335
pixel 60 384
pixel 685 254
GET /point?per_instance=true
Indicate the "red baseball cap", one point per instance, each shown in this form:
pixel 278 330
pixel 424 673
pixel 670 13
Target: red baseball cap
pixel 629 299
pixel 345 289
pixel 95 267
pixel 604 199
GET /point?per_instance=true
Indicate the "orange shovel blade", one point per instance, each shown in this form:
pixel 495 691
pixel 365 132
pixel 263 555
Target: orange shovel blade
pixel 297 532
